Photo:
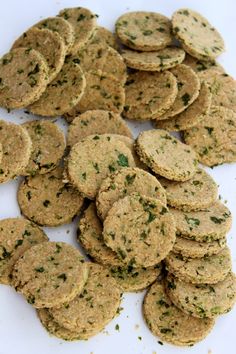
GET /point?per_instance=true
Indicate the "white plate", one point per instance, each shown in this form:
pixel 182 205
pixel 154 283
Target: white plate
pixel 20 330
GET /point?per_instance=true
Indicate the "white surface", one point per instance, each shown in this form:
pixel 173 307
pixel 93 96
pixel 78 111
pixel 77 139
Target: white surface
pixel 20 330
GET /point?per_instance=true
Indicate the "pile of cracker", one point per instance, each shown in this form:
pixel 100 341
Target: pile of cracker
pixel 150 216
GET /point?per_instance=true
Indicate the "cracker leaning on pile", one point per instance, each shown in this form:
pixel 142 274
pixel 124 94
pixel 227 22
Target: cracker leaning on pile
pixel 154 219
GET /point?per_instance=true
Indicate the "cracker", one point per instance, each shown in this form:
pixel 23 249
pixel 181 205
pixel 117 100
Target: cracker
pixel 103 92
pixel 63 93
pixel 16 150
pixel 61 26
pixel 140 230
pixel 49 274
pixel 200 66
pixel 89 312
pixel 23 77
pixel 145 31
pixel 47 200
pixel 188 90
pixel 89 235
pixel 49 44
pixel 213 142
pixel 160 60
pixel 197 36
pixel 165 155
pixel 96 122
pixel 190 117
pixel 208 225
pixel 17 235
pixel 83 22
pixel 206 270
pixel 125 182
pixel 197 193
pixel 149 94
pixel 205 300
pixel 169 323
pixel 104 36
pixel 48 145
pixel 93 159
pixel 195 249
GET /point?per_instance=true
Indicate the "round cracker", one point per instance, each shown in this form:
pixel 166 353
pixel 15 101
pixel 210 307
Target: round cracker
pixel 49 44
pixel 89 235
pixel 16 150
pixel 154 61
pixel 145 31
pixel 96 122
pixel 48 145
pixel 213 142
pixel 197 36
pixel 61 26
pixel 94 308
pixel 23 77
pixel 93 159
pixel 206 270
pixel 149 94
pixel 197 193
pixel 49 274
pixel 188 90
pixel 191 116
pixel 200 66
pixel 169 323
pixel 194 249
pixel 125 182
pixel 100 56
pixel 47 200
pixel 205 300
pixel 140 230
pixel 104 36
pixel 63 93
pixel 17 235
pixel 166 155
pixel 208 225
pixel 83 22
pixel 103 92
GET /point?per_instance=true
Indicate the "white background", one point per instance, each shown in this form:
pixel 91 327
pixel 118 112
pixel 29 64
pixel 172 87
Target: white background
pixel 20 330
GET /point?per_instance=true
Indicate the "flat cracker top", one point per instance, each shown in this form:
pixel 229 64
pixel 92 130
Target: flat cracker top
pixel 146 31
pixel 198 37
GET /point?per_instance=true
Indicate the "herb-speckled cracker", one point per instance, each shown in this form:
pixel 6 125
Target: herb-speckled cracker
pixel 154 61
pixel 206 270
pixel 208 225
pixel 63 93
pixel 205 300
pixel 23 77
pixel 197 193
pixel 96 122
pixel 93 159
pixel 200 66
pixel 16 236
pixel 89 312
pixel 140 230
pixel 125 182
pixel 104 36
pixel 214 139
pixel 188 90
pixel 197 36
pixel 144 31
pixel 48 145
pixel 166 155
pixel 47 43
pixel 149 94
pixel 47 200
pixel 169 323
pixel 195 249
pixel 191 116
pixel 49 274
pixel 102 91
pixel 61 26
pixel 16 150
pixel 83 22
